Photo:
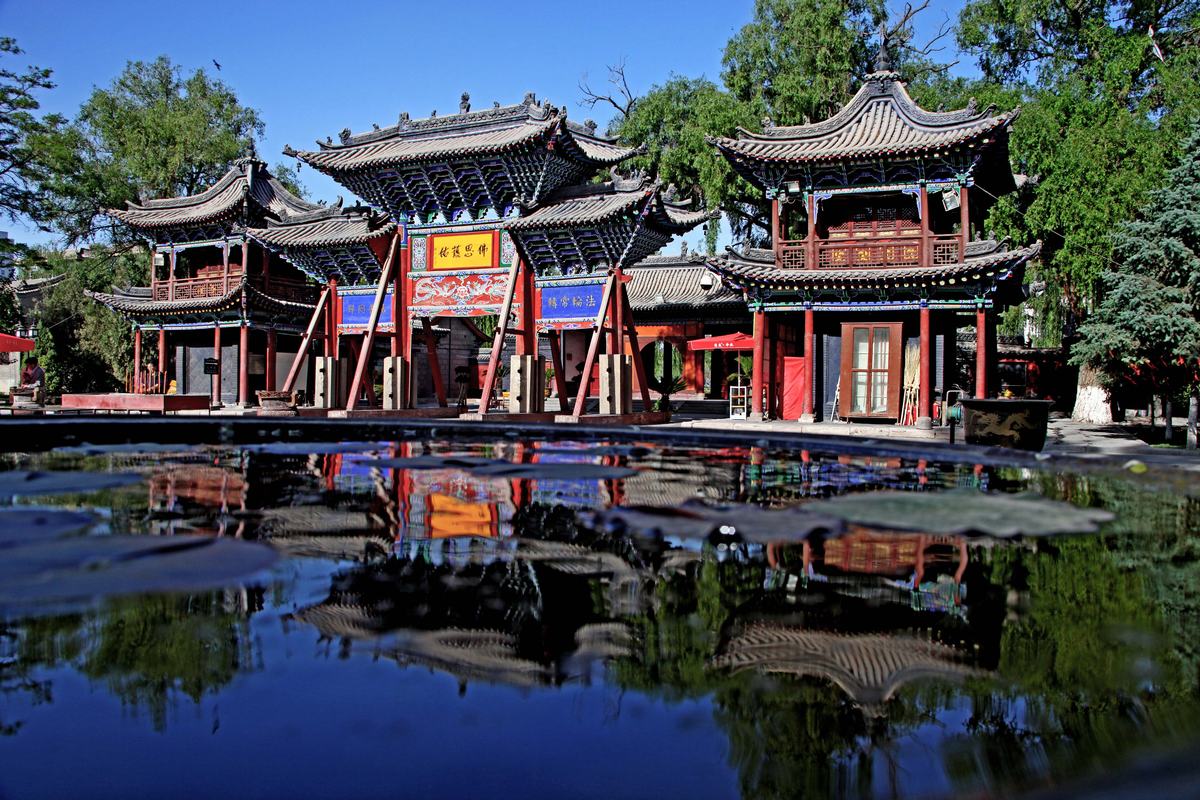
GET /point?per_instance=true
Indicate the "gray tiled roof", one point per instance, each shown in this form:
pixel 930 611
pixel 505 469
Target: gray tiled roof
pixel 135 302
pixel 660 283
pixel 881 119
pixel 595 203
pixel 329 228
pixel 473 133
pixel 757 266
pixel 219 201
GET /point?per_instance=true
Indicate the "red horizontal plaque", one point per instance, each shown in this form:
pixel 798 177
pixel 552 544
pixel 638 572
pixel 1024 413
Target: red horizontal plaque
pixel 459 294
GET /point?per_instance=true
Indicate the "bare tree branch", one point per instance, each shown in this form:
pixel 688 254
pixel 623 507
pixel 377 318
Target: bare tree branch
pixel 621 98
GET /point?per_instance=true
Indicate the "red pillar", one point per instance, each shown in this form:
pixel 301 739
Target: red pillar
pixel 271 359
pixel 925 392
pixel 162 359
pixel 244 364
pixel 981 352
pixel 137 360
pixel 776 238
pixel 216 379
pixel 810 362
pixel 756 368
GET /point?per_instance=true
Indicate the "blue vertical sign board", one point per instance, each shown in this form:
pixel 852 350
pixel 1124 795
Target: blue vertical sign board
pixel 580 301
pixel 356 310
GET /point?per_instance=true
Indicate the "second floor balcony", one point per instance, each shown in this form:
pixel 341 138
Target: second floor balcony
pixel 871 252
pixel 216 286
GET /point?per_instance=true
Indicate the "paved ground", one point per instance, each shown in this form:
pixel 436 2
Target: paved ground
pixel 1117 442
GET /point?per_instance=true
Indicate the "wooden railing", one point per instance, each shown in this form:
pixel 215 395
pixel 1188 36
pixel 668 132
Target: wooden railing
pixel 193 288
pixel 881 253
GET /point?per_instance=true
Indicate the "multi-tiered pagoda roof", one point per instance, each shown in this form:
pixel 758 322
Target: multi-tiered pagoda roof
pixel 247 194
pixel 881 136
pixel 680 287
pixel 466 166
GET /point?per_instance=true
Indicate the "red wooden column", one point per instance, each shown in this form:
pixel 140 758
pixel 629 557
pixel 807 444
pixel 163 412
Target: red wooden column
pixel 137 360
pixel 925 392
pixel 216 379
pixel 244 364
pixel 756 368
pixel 810 361
pixel 776 241
pixel 981 352
pixel 162 359
pixel 926 242
pixel 271 359
pixel 810 258
pixel 964 221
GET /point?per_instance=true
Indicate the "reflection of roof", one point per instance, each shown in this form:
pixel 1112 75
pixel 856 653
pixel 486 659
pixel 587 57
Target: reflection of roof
pixel 470 134
pixel 869 668
pixel 247 179
pixel 479 655
pixel 756 267
pixel 881 120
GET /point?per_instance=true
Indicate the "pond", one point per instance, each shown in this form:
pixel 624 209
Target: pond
pixel 469 616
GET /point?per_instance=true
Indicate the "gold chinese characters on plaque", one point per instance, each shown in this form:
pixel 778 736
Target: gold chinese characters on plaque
pixel 463 250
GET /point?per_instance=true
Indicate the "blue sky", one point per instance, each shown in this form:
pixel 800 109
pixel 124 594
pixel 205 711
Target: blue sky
pixel 313 67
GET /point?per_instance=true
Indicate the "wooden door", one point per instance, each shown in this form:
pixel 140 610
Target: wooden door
pixel 872 362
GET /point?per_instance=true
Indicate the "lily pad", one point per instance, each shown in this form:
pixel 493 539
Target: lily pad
pixel 554 471
pixel 136 448
pixel 20 482
pixel 313 448
pixel 964 512
pixel 433 462
pixel 67 572
pixel 695 519
pixel 22 525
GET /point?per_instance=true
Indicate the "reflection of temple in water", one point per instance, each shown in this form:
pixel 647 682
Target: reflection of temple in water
pixel 869 668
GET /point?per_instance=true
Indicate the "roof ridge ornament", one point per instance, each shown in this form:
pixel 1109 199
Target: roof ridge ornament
pixel 883 58
pixel 464 103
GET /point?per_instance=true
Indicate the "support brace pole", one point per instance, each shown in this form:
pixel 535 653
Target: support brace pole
pixel 594 345
pixel 294 372
pixel 489 381
pixel 435 369
pixel 364 357
pixel 639 367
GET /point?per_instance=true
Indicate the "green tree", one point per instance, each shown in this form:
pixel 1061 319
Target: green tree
pixel 1150 319
pixel 673 121
pixel 22 168
pixel 10 308
pixel 154 132
pixel 800 60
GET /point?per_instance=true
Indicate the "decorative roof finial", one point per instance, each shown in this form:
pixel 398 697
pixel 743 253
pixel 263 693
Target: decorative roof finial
pixel 464 103
pixel 768 123
pixel 530 99
pixel 590 124
pixel 683 249
pixel 883 59
pixel 433 113
pixel 344 135
pixel 403 122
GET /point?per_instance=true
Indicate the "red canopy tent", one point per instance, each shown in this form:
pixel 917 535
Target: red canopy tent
pixel 15 344
pixel 730 341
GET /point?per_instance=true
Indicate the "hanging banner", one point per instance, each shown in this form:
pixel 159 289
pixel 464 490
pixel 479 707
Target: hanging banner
pixel 570 305
pixel 463 250
pixel 354 310
pixel 458 295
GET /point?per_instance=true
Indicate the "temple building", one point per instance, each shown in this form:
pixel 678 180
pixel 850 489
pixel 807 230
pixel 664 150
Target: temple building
pixel 877 257
pixel 227 312
pixel 452 182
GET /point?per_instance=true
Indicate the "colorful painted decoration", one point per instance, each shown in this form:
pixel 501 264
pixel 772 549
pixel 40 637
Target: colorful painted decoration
pixel 464 294
pixel 355 310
